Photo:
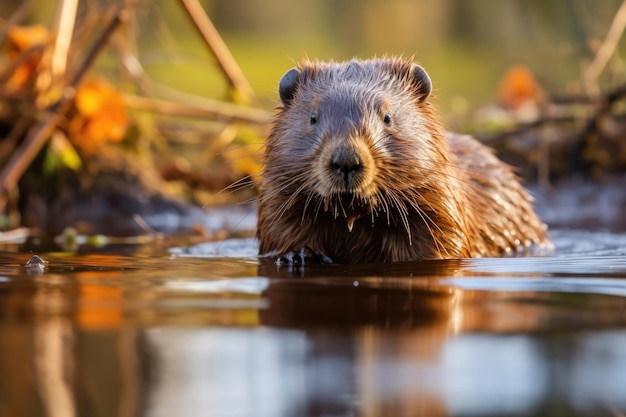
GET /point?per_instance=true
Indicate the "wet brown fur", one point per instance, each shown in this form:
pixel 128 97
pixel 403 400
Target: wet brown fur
pixel 419 192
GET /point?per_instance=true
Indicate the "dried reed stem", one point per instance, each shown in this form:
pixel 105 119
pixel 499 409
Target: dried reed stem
pixel 219 49
pixel 64 29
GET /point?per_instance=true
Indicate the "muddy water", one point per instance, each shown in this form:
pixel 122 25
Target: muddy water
pixel 210 331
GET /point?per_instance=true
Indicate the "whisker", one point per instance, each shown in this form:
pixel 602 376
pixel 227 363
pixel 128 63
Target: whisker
pixel 308 200
pixel 318 206
pixel 240 184
pixel 293 198
pixel 403 212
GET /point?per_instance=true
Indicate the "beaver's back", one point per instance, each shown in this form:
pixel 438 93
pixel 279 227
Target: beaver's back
pixel 505 216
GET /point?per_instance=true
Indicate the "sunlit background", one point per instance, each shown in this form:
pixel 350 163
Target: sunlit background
pixel 465 45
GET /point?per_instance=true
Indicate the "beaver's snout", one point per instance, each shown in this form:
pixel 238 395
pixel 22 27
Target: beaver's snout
pixel 345 163
pixel 347 184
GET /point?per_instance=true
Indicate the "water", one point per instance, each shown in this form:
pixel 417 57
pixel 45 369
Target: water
pixel 208 330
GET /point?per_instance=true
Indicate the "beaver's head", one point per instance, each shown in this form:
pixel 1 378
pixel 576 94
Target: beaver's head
pixel 349 133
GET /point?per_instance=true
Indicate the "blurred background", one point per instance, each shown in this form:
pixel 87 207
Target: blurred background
pixel 467 46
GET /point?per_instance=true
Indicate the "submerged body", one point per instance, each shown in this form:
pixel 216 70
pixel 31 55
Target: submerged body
pixel 358 168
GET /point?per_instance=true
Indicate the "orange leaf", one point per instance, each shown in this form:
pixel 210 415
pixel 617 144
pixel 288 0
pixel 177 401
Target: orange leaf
pixel 90 98
pixel 519 86
pixel 101 115
pixel 21 38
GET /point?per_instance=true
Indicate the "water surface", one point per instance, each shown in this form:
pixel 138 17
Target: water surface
pixel 210 330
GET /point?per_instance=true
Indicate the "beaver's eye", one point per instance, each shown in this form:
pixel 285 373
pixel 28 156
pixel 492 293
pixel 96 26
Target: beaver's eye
pixel 313 118
pixel 387 119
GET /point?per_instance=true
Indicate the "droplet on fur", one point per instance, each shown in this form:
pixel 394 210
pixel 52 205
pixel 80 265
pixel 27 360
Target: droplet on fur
pixel 350 221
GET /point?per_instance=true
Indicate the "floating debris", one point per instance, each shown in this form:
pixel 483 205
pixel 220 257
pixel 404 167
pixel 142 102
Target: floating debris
pixel 36 265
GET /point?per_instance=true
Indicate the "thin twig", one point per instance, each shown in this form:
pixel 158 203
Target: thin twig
pixel 521 128
pixel 145 226
pixel 210 110
pixel 219 49
pixel 607 49
pixel 40 132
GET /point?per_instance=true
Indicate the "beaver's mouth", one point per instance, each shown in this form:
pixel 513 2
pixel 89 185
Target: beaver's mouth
pixel 348 205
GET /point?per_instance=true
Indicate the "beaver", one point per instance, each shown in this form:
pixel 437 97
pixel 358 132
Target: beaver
pixel 358 169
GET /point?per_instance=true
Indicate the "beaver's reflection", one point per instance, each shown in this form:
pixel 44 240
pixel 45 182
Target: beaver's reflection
pixel 361 302
pixel 365 325
pixel 349 296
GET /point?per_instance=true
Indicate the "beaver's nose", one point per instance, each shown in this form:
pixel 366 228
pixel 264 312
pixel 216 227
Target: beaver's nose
pixel 345 161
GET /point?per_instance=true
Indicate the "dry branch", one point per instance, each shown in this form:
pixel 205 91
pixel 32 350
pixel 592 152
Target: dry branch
pixel 219 49
pixel 211 110
pixel 606 51
pixel 40 132
pixel 8 143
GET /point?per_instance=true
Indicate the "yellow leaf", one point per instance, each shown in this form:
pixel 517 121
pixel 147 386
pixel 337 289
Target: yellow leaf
pixel 61 153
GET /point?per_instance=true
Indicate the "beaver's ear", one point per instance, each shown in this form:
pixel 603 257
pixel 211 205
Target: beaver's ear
pixel 421 82
pixel 287 85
